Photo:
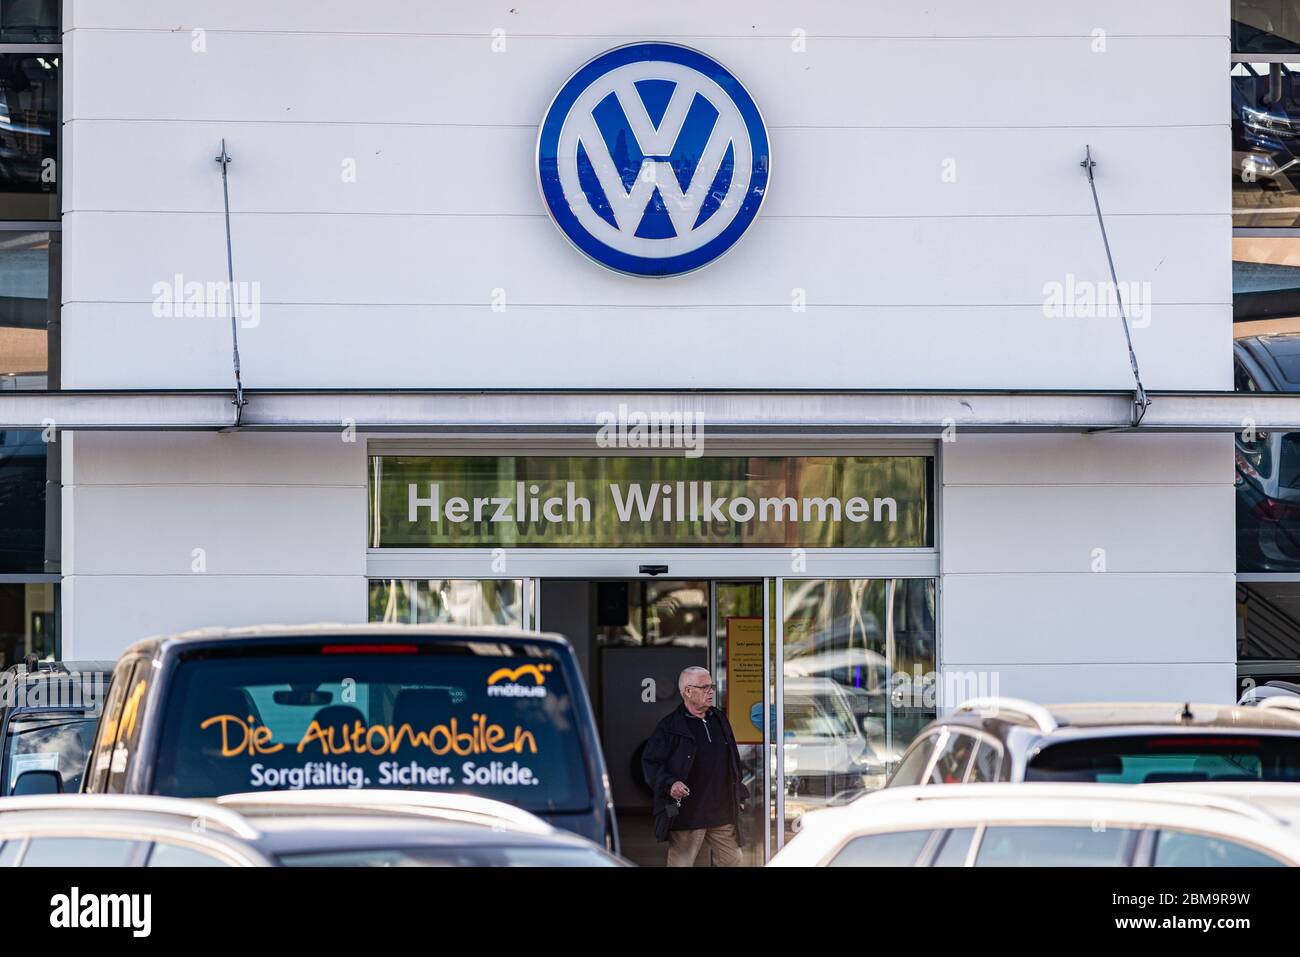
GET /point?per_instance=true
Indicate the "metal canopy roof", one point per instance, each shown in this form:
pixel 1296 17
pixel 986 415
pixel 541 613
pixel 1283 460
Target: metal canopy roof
pixel 724 411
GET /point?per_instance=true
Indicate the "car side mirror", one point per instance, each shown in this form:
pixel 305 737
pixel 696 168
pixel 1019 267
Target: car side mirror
pixel 38 782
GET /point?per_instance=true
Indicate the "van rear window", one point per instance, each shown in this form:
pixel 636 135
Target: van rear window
pixel 474 718
pixel 1159 758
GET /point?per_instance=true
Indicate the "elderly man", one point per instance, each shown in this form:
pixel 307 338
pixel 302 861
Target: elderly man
pixel 692 765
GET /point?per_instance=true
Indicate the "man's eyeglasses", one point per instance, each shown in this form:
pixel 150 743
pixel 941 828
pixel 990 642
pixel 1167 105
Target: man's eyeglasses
pixel 703 687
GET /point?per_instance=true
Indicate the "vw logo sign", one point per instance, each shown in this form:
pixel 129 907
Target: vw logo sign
pixel 652 159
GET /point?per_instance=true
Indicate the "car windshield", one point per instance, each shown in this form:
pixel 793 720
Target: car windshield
pixel 475 856
pixel 48 742
pixel 468 717
pixel 1169 757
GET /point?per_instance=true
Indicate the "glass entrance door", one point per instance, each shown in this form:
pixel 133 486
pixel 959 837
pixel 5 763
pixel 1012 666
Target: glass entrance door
pixel 633 637
pixel 824 681
pixel 855 682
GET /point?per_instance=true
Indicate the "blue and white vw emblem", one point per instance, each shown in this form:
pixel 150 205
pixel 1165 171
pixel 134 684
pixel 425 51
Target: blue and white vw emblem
pixel 652 159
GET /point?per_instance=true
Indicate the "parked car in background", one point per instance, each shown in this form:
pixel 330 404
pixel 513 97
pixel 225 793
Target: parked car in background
pixel 827 756
pixel 48 713
pixel 491 712
pixel 1258 694
pixel 1267 460
pixel 1006 739
pixel 1265 135
pixel 1042 825
pixel 285 828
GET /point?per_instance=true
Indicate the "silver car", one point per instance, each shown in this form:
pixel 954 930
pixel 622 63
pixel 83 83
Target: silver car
pixel 335 828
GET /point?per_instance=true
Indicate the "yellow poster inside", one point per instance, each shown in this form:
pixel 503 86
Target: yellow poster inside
pixel 745 679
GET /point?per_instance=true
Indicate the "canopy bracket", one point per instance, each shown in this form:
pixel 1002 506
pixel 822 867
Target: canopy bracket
pixel 1141 402
pixel 239 400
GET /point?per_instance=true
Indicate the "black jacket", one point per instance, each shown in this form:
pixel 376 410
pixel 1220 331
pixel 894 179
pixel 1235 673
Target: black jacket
pixel 668 757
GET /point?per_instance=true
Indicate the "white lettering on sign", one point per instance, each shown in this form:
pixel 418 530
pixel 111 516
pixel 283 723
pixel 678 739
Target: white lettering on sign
pixel 688 502
pixel 649 694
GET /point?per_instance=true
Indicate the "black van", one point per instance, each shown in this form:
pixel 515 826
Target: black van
pixel 496 713
pixel 48 713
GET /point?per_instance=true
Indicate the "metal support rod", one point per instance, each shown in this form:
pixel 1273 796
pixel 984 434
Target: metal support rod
pixel 767 762
pixel 1140 400
pixel 779 705
pixel 240 401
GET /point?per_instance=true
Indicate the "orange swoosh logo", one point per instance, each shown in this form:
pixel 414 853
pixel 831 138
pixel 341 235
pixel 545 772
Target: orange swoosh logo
pixel 514 674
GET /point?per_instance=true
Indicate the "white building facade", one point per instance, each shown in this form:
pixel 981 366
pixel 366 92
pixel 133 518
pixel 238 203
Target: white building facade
pixel 927 241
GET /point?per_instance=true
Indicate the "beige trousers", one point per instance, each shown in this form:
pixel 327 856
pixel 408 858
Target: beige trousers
pixel 684 846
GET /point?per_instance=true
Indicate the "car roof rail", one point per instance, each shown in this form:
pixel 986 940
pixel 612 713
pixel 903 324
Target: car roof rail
pixel 1183 794
pixel 188 809
pixel 1034 712
pixel 451 806
pixel 1283 702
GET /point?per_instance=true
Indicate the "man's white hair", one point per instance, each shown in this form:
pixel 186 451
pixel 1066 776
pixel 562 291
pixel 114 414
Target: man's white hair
pixel 681 678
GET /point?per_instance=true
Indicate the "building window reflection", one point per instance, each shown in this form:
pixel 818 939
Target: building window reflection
pixel 26 318
pixel 30 62
pixel 1265 26
pixel 23 481
pixel 859 683
pixel 27 621
pixel 461 601
pixel 1265 144
pixel 29 21
pixel 29 127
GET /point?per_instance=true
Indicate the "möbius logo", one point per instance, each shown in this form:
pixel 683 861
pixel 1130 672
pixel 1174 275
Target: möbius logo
pixel 504 682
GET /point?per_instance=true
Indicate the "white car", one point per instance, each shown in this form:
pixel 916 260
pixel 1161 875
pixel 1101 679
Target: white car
pixel 309 828
pixel 1045 825
pixel 1279 798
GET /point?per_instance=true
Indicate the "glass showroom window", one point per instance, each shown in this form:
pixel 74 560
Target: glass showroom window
pixel 27 594
pixel 29 126
pixel 29 317
pixel 1266 358
pixel 1265 96
pixel 27 621
pixel 462 601
pixel 29 21
pixel 859 670
pixel 1266 26
pixel 30 56
pixel 1265 144
pixel 1268 633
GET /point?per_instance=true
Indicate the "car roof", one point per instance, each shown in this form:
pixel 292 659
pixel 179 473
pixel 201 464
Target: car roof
pixel 342 819
pixel 1123 716
pixel 61 669
pixel 970 805
pixel 1172 714
pixel 445 806
pixel 1008 801
pixel 300 821
pixel 105 809
pixel 324 831
pixel 69 686
pixel 1278 354
pixel 327 630
pixel 1279 798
